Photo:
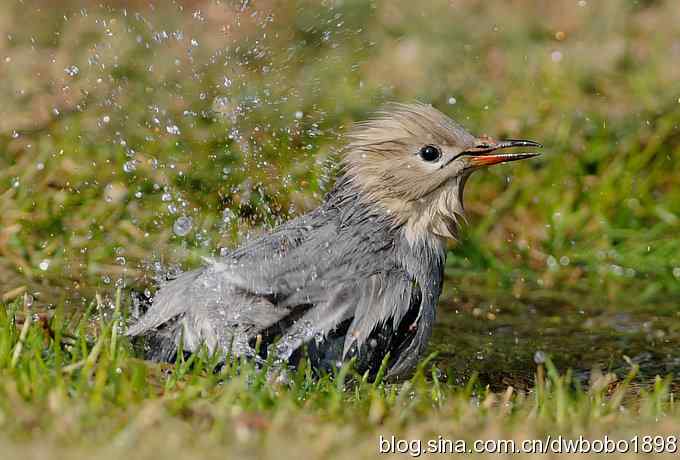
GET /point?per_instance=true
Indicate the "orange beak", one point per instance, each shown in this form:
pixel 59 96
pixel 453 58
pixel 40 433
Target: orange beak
pixel 482 153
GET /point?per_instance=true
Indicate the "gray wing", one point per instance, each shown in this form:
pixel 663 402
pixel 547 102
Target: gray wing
pixel 381 299
pixel 202 307
pixel 387 311
pixel 225 303
pixel 223 307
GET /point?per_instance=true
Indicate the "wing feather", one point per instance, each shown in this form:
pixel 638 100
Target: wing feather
pixel 383 298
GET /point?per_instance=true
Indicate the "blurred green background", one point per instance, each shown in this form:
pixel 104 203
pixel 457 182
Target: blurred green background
pixel 137 136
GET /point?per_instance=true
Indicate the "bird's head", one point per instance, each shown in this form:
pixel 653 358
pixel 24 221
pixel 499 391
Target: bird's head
pixel 413 162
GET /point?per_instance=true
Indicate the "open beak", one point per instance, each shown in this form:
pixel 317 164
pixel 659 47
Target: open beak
pixel 484 153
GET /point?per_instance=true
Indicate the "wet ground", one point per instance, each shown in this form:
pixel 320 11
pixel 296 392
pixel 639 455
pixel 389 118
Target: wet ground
pixel 503 342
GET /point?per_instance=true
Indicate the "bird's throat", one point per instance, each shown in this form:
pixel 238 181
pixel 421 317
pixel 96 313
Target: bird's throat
pixel 431 219
pixel 439 215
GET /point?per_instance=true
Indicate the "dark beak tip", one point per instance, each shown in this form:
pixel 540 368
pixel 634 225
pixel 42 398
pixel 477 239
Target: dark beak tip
pixel 486 148
pixel 520 143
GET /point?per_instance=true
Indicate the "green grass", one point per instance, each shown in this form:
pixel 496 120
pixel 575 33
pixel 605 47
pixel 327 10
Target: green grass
pixel 88 395
pixel 116 120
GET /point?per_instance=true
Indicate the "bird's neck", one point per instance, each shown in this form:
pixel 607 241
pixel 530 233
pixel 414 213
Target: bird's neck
pixel 439 215
pixel 429 221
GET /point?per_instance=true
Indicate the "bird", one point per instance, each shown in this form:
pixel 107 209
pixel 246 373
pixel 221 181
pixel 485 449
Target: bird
pixel 359 277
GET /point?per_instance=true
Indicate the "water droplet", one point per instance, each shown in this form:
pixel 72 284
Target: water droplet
pixel 44 264
pixel 551 261
pixel 617 269
pixel 106 118
pixel 539 357
pixel 227 215
pixel 452 100
pixel 15 182
pixel 29 300
pixel 130 166
pixel 676 272
pixel 299 115
pixel 221 104
pixel 172 129
pixel 182 226
pixel 72 71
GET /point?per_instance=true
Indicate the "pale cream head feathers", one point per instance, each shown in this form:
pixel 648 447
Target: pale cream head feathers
pixel 413 161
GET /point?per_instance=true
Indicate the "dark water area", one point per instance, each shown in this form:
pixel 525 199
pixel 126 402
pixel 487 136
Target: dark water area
pixel 504 344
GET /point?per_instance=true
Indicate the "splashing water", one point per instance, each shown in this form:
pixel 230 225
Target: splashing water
pixel 182 226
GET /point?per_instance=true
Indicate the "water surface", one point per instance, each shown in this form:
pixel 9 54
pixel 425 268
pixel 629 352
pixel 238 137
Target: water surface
pixel 503 342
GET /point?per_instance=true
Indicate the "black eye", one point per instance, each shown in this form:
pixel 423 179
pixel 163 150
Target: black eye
pixel 430 153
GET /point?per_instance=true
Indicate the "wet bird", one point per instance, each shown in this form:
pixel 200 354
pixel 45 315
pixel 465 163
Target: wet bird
pixel 359 276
